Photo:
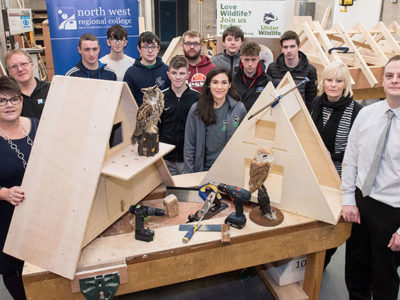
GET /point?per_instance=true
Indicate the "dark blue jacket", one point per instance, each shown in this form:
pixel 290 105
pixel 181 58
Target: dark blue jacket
pixel 139 76
pixel 103 72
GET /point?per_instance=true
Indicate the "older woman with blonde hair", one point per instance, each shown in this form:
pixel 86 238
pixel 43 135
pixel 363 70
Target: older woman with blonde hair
pixel 333 112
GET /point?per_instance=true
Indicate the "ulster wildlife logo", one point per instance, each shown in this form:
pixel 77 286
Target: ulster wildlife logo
pixel 197 80
pixel 269 17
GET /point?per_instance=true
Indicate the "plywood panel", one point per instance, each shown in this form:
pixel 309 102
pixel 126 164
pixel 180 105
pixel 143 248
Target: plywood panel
pixel 126 163
pixel 304 164
pixel 126 114
pixel 63 172
pixel 119 195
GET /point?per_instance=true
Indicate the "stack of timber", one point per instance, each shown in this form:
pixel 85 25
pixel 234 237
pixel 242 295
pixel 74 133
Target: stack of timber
pixel 369 51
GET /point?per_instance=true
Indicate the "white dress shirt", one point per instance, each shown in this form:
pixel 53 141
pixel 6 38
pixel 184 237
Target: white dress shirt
pixel 361 146
pixel 119 66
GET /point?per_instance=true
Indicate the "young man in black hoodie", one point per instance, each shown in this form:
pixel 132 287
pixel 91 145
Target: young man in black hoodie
pixel 296 62
pixel 149 69
pixel 250 79
pixel 90 66
pixel 178 99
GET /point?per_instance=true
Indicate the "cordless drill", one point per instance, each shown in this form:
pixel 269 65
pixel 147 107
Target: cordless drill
pixel 141 212
pixel 239 196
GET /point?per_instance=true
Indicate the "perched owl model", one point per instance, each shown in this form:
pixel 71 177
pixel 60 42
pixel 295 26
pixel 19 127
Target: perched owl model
pixel 259 168
pixel 149 113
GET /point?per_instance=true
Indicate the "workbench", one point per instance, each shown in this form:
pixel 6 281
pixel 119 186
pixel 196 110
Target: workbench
pixel 167 260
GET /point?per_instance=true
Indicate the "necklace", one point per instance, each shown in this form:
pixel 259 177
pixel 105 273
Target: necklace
pixel 14 147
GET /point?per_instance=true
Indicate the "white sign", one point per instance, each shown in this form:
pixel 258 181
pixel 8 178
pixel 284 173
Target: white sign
pixel 260 19
pixel 19 20
pixel 366 12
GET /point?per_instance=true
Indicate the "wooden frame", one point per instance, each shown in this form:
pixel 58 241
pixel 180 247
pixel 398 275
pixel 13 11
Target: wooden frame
pixel 303 179
pixel 369 52
pixel 76 184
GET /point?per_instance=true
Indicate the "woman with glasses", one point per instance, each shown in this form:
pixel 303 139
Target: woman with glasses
pixel 211 121
pixel 16 138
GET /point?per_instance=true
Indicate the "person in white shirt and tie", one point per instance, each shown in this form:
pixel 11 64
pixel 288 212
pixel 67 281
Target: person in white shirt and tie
pixel 371 195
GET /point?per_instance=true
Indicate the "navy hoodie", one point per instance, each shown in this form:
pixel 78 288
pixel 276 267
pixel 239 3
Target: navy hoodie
pixel 139 76
pixel 103 72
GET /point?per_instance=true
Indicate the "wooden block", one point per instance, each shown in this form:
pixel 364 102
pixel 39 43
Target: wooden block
pixel 171 205
pixel 148 144
pixel 226 234
pixel 102 269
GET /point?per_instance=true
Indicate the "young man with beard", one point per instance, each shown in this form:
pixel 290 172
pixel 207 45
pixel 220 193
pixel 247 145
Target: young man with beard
pixel 34 92
pixel 149 69
pixel 250 78
pixel 116 59
pixel 296 62
pixel 178 100
pixel 199 64
pixel 232 39
pixel 89 66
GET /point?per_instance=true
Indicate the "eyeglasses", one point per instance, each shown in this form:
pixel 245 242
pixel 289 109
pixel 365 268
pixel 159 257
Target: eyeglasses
pixel 117 41
pixel 148 48
pixel 21 65
pixel 13 100
pixel 194 45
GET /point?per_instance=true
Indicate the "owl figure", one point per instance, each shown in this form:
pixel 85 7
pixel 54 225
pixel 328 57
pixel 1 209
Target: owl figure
pixel 149 113
pixel 259 168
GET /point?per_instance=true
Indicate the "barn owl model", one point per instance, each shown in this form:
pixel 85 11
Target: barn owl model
pixel 149 112
pixel 259 168
pixel 259 171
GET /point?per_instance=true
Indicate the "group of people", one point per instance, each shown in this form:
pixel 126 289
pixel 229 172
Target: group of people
pixel 205 102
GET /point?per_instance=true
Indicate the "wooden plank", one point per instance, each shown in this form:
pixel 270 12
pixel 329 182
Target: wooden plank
pixel 392 43
pixel 126 163
pixel 382 59
pixel 126 115
pixel 360 61
pixel 325 17
pixel 2 70
pixel 174 48
pixel 48 57
pixel 314 269
pixel 371 93
pixel 394 27
pixel 48 228
pixel 293 291
pixel 147 270
pixel 316 45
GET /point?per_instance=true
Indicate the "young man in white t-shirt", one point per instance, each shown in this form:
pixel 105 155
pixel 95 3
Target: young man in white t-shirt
pixel 116 59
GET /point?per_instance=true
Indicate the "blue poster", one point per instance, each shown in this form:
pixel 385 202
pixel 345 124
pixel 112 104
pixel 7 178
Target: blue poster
pixel 68 20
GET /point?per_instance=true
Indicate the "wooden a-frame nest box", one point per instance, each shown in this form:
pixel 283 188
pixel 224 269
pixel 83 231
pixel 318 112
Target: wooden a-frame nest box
pixel 79 180
pixel 303 179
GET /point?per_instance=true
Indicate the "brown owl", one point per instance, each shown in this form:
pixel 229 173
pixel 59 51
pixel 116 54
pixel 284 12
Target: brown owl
pixel 259 168
pixel 149 112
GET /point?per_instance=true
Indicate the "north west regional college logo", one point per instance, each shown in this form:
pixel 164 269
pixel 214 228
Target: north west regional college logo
pixel 66 19
pixel 197 80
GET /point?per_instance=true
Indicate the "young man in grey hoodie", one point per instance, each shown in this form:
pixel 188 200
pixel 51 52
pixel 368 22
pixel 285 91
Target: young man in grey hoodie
pixel 232 39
